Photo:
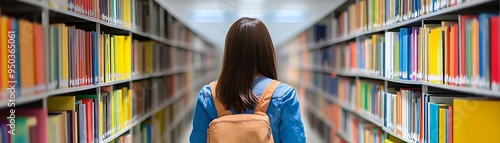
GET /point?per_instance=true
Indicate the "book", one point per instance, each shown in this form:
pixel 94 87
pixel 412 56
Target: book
pixel 495 54
pixel 471 120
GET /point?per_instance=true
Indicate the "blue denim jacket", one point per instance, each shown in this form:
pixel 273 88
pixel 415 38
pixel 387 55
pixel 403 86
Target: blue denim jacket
pixel 283 112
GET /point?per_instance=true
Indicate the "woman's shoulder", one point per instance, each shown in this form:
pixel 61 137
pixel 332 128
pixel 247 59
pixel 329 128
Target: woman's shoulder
pixel 282 90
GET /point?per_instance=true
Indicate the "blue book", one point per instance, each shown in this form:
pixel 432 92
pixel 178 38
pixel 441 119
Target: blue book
pixel 484 46
pixel 17 75
pixel 383 59
pixel 433 123
pixel 83 125
pixel 417 129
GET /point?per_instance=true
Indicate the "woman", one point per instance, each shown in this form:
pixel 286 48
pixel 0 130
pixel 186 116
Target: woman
pixel 249 65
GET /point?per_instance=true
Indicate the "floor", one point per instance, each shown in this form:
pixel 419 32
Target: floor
pixel 311 136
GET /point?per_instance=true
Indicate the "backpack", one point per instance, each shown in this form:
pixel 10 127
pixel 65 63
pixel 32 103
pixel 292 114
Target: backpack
pixel 242 128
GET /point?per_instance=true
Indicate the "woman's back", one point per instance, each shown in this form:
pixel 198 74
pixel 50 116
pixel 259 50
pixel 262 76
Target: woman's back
pixel 249 65
pixel 283 111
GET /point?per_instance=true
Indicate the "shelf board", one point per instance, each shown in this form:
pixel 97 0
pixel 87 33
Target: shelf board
pixel 151 113
pixel 314 111
pixel 468 90
pixel 344 137
pixel 32 98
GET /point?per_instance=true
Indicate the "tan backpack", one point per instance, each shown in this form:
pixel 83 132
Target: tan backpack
pixel 242 128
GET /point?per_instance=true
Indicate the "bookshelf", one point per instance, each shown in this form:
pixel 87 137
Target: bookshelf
pixel 396 71
pixel 100 71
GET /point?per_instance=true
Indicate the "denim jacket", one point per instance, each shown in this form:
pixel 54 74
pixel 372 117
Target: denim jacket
pixel 283 111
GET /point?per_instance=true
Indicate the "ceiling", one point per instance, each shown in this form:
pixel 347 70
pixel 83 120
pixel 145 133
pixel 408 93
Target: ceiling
pixel 285 19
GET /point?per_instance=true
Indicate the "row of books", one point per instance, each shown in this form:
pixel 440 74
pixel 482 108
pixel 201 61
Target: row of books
pixel 80 57
pixel 155 128
pixel 420 117
pixel 117 12
pixel 364 15
pixel 150 57
pixel 355 129
pixel 345 127
pixel 445 53
pixel 88 117
pixel 77 57
pixel 147 18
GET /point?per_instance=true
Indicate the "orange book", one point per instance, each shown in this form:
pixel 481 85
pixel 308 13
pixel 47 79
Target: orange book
pixel 26 52
pixel 475 51
pixel 453 53
pixel 3 57
pixel 39 58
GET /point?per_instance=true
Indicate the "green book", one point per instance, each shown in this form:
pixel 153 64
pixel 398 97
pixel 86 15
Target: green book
pixel 469 49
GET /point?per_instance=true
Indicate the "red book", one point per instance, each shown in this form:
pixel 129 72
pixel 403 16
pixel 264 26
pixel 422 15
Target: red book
pixel 89 59
pixel 495 55
pixel 89 117
pixel 39 58
pixel 454 53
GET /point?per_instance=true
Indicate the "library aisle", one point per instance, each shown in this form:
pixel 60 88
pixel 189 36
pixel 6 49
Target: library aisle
pixel 365 71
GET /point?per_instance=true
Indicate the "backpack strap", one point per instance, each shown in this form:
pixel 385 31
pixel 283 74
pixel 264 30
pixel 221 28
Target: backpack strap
pixel 265 98
pixel 221 111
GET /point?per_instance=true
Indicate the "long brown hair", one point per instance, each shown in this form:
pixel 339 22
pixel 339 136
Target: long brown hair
pixel 248 52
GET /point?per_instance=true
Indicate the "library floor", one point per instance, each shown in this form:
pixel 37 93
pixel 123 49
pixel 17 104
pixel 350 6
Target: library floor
pixel 311 136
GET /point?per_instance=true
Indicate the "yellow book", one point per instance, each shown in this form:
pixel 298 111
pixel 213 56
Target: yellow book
pixel 434 41
pixel 119 61
pixel 113 58
pixel 476 121
pixel 124 106
pixel 442 125
pixel 64 57
pixel 159 118
pixel 131 102
pixel 120 109
pixel 61 103
pixel 127 13
pixel 432 55
pixel 388 141
pixel 101 120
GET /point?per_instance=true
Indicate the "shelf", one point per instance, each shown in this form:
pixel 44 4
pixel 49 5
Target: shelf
pixel 466 90
pixel 349 109
pixel 314 110
pixel 178 119
pixel 396 25
pixel 69 16
pixel 32 98
pixel 151 113
pixel 344 137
